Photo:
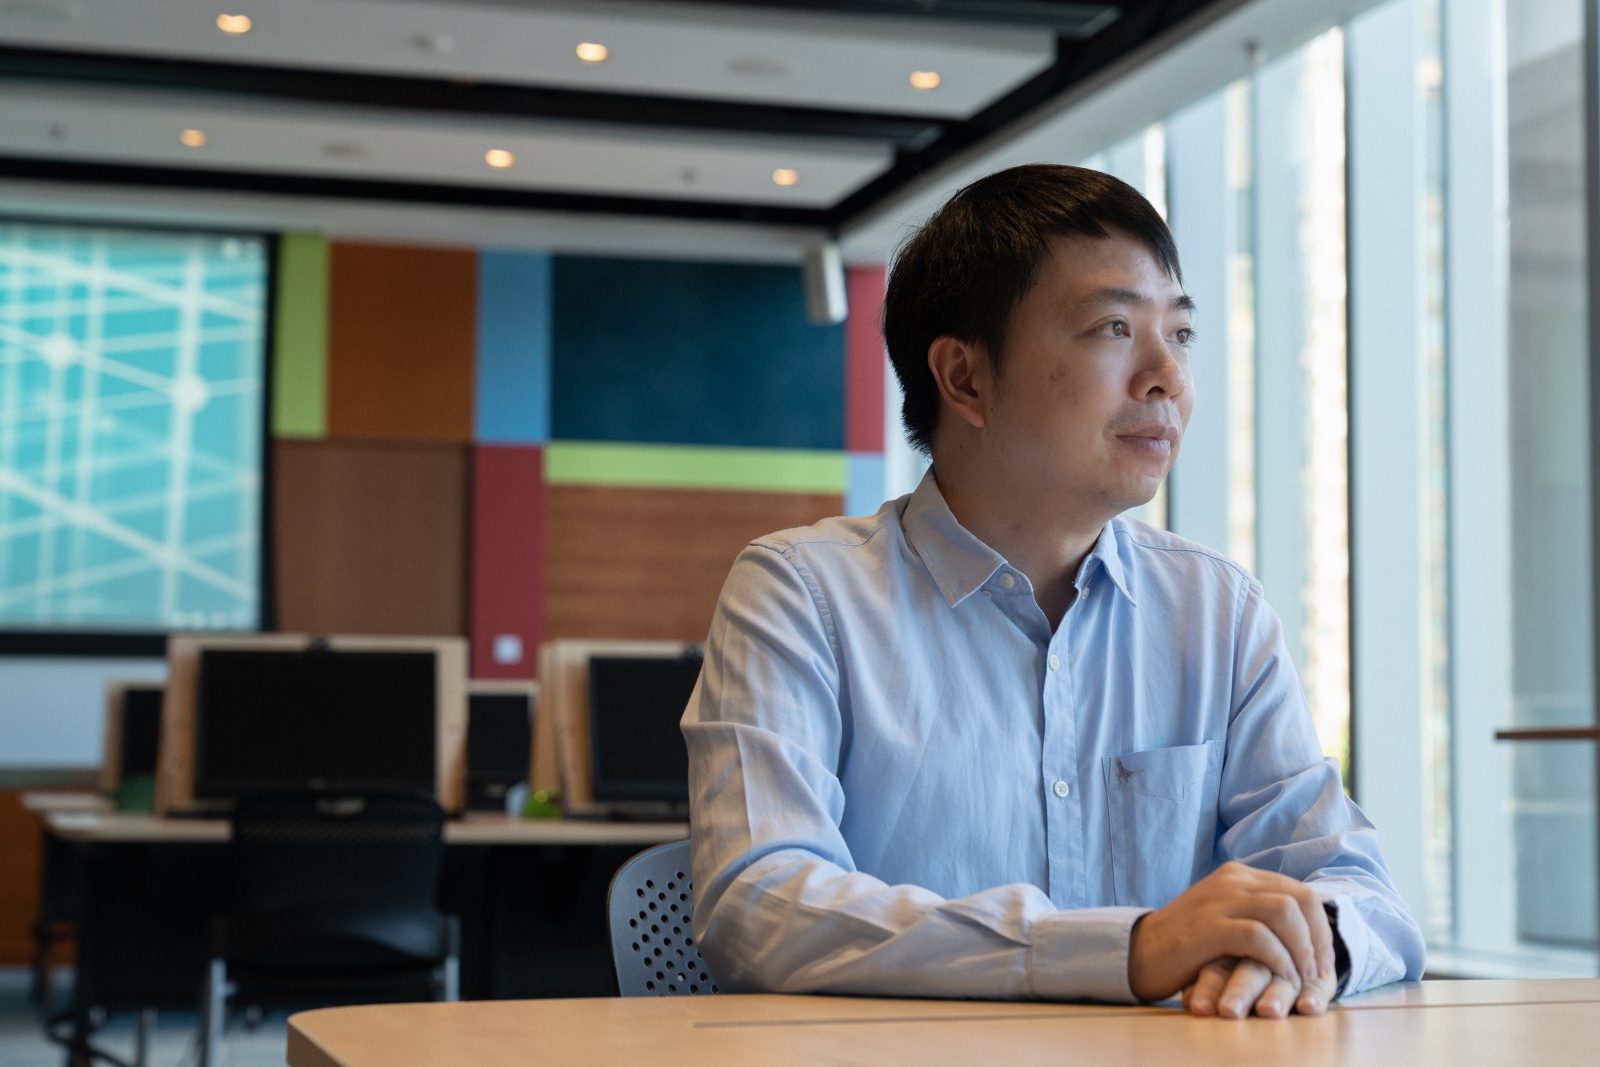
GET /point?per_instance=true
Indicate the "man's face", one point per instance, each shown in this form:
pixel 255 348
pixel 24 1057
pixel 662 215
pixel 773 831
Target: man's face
pixel 1093 393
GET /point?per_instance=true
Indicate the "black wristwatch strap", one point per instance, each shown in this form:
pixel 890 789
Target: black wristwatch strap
pixel 1341 953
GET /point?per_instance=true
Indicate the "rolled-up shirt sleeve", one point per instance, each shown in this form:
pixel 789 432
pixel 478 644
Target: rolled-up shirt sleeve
pixel 780 904
pixel 1283 808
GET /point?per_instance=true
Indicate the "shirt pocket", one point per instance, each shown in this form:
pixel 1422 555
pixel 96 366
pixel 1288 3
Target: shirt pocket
pixel 1161 807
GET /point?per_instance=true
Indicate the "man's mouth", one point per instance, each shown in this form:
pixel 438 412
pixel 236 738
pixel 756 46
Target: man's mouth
pixel 1158 439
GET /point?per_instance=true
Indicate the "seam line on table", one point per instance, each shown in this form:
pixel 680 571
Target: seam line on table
pixel 1113 1013
pixel 1149 1013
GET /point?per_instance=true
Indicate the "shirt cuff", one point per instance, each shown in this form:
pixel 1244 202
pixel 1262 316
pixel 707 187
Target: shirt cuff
pixel 1082 954
pixel 1353 932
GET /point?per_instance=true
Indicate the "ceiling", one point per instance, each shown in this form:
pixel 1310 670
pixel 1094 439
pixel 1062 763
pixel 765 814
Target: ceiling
pixel 762 113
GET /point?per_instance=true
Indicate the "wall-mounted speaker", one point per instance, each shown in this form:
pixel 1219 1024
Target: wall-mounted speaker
pixel 823 272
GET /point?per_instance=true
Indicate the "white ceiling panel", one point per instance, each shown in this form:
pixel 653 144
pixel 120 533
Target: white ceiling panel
pixel 143 127
pixel 802 59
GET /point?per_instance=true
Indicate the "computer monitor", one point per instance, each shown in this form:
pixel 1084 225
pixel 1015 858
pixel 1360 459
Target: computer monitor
pixel 132 734
pixel 499 740
pixel 314 718
pixel 638 758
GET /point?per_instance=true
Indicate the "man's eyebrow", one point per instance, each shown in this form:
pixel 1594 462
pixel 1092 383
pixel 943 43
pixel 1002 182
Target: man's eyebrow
pixel 1115 295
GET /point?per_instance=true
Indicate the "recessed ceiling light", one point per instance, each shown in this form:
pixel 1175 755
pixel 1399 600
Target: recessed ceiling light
pixel 785 176
pixel 193 138
pixel 925 79
pixel 591 52
pixel 234 24
pixel 499 158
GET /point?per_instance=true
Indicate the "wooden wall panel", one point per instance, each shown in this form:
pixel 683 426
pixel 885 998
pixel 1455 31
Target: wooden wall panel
pixel 371 537
pixel 649 563
pixel 402 335
pixel 19 879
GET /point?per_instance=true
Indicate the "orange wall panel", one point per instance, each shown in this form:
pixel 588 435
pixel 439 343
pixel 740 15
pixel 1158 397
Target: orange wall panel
pixel 401 342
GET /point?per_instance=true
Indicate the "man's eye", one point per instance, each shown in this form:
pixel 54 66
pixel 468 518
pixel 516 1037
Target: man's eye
pixel 1118 328
pixel 1184 337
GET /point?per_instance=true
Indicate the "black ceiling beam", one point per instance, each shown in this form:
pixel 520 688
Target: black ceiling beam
pixel 425 193
pixel 1071 18
pixel 1076 60
pixel 496 99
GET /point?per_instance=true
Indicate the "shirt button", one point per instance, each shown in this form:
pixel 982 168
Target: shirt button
pixel 1008 579
pixel 1055 662
pixel 1061 789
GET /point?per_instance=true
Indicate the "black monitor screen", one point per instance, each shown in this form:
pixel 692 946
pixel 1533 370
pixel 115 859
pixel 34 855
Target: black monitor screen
pixel 141 730
pixel 635 704
pixel 499 736
pixel 320 719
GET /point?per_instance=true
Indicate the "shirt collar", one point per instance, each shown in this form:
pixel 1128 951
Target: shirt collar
pixel 961 564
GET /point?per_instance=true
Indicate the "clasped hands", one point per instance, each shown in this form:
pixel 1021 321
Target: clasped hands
pixel 1238 940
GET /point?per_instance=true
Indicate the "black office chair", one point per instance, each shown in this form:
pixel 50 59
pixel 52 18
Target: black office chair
pixel 333 900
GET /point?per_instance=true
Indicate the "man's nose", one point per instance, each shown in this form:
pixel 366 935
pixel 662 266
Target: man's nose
pixel 1163 372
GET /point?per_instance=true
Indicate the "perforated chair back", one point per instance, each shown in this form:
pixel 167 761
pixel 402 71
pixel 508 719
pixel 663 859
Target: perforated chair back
pixel 651 903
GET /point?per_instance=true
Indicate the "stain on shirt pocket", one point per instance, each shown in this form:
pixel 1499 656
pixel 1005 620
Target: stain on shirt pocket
pixel 1161 805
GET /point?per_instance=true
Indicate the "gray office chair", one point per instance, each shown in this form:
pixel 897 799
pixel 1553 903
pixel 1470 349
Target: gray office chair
pixel 650 904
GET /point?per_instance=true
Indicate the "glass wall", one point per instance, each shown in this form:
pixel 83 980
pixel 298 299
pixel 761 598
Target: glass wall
pixel 1547 390
pixel 1385 231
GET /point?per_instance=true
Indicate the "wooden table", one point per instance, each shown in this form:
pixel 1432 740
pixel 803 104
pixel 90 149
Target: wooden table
pixel 1459 1024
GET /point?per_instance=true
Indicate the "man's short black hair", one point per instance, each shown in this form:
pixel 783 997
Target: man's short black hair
pixel 969 266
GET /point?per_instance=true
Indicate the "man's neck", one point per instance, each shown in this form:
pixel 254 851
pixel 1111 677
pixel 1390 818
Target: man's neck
pixel 1041 539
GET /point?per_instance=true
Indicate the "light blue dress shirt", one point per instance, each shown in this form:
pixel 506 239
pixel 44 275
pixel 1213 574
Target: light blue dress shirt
pixel 902 782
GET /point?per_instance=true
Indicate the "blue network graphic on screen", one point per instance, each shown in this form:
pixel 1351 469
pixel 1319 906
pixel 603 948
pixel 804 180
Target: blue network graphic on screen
pixel 131 376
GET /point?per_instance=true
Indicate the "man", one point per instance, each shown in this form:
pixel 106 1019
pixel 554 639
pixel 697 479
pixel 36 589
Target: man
pixel 997 740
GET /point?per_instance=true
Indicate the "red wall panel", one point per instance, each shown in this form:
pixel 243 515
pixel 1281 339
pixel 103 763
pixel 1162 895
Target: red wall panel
pixel 507 557
pixel 863 354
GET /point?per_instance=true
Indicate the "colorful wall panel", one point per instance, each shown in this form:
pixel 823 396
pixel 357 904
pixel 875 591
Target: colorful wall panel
pixel 692 353
pixel 650 563
pixel 300 338
pixel 633 424
pixel 371 536
pixel 402 330
pixel 508 558
pixel 864 390
pixel 513 365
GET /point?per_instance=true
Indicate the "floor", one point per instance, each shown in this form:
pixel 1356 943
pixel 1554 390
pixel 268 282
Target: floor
pixel 23 1042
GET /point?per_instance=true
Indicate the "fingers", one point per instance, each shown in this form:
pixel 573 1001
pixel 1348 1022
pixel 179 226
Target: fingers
pixel 1202 997
pixel 1277 999
pixel 1246 984
pixel 1293 912
pixel 1315 996
pixel 1255 940
pixel 1282 913
pixel 1316 917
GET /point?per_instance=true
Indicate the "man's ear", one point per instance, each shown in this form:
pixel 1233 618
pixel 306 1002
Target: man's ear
pixel 961 371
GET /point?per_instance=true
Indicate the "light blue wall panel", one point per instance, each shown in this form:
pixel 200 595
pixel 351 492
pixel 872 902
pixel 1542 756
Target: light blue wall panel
pixel 513 379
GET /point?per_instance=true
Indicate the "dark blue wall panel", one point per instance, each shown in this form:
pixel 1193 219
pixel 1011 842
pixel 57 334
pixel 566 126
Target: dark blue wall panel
pixel 692 353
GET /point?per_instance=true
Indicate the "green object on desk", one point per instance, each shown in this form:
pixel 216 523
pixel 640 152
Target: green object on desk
pixel 136 793
pixel 542 804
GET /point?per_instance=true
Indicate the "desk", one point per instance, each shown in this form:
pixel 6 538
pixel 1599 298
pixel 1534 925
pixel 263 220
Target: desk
pixel 47 803
pixel 530 892
pixel 1462 1024
pixel 84 826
